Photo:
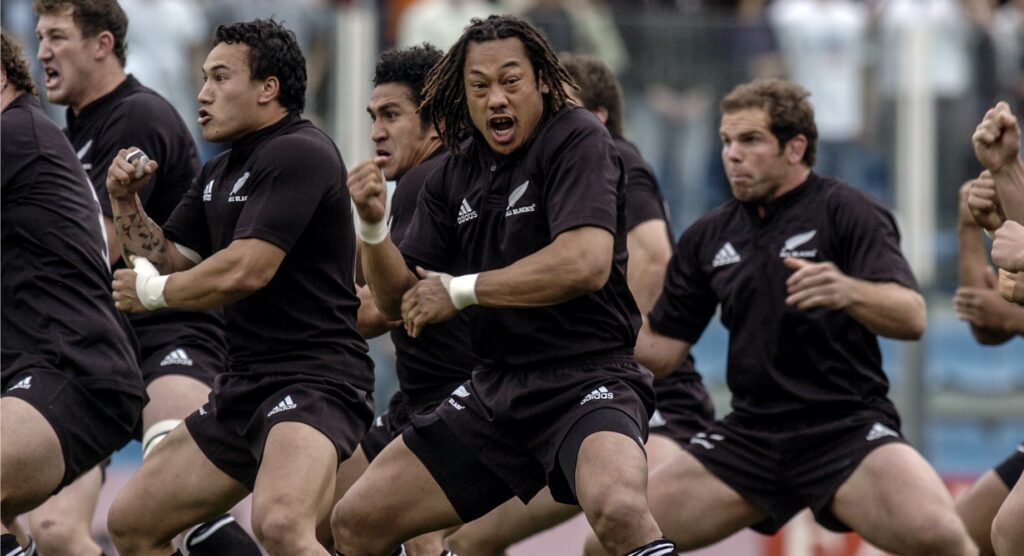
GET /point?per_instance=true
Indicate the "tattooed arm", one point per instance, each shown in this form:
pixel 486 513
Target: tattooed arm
pixel 136 232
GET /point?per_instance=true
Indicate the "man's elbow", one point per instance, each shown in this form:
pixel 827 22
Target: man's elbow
pixel 916 320
pixel 245 283
pixel 590 275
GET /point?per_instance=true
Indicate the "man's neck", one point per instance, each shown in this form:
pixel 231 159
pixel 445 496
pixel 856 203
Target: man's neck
pixel 106 80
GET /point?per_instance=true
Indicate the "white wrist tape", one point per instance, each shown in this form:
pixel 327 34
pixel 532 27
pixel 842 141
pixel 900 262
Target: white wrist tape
pixel 462 291
pixel 149 285
pixel 371 233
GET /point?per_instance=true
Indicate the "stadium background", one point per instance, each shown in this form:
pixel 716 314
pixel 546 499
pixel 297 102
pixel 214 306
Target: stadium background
pixel 898 87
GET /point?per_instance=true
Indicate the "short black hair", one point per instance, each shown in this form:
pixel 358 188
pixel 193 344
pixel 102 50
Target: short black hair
pixel 273 51
pixel 15 66
pixel 408 66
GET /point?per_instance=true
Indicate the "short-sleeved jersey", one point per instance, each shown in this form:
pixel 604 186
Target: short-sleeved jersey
pixel 133 115
pixel 644 202
pixel 478 213
pixel 427 366
pixel 284 184
pixel 57 309
pixel 784 361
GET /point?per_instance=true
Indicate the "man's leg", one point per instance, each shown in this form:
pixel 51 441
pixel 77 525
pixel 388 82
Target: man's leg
pixel 176 487
pixel 510 523
pixel 693 507
pixel 30 456
pixel 348 473
pixel 611 485
pixel 395 500
pixel 1008 526
pixel 896 501
pixel 294 489
pixel 978 507
pixel 62 526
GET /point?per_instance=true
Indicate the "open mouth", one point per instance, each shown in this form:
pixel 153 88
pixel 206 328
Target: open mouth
pixel 384 153
pixel 52 77
pixel 204 117
pixel 501 128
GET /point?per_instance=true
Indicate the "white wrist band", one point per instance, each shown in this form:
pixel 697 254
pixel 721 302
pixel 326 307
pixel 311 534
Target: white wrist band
pixel 149 285
pixel 989 233
pixel 371 233
pixel 462 291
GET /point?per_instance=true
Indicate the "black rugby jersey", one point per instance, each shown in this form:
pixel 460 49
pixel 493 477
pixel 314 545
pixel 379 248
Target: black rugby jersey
pixel 134 115
pixel 428 366
pixel 57 310
pixel 782 360
pixel 644 202
pixel 479 213
pixel 284 184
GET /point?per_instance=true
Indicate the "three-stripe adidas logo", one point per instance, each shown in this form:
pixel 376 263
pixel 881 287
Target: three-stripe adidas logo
pixel 177 357
pixel 23 384
pixel 283 405
pixel 466 212
pixel 878 430
pixel 726 255
pixel 601 393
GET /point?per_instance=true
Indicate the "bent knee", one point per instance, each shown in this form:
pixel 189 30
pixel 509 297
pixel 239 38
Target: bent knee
pixel 1007 532
pixel 945 535
pixel 53 534
pixel 617 512
pixel 358 532
pixel 476 545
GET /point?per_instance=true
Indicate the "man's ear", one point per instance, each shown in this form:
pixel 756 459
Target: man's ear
pixel 104 45
pixel 795 149
pixel 542 85
pixel 271 89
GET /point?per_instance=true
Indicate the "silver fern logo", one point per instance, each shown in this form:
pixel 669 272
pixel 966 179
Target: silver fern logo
pixel 514 198
pixel 789 249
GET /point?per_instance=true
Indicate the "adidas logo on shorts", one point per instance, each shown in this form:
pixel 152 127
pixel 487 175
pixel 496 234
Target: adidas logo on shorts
pixel 283 405
pixel 23 384
pixel 176 357
pixel 878 430
pixel 601 393
pixel 657 420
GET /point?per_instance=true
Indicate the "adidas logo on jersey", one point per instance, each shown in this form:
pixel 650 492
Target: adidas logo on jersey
pixel 176 357
pixel 878 430
pixel 657 420
pixel 23 384
pixel 466 212
pixel 726 255
pixel 601 393
pixel 208 192
pixel 283 405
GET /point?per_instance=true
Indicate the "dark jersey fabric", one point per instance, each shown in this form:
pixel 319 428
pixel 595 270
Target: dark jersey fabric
pixel 284 184
pixel 431 366
pixel 478 213
pixel 644 202
pixel 784 361
pixel 134 115
pixel 57 310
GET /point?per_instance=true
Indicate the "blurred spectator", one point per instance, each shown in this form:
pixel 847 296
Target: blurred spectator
pixel 824 46
pixel 582 26
pixel 167 42
pixel 440 22
pixel 1008 39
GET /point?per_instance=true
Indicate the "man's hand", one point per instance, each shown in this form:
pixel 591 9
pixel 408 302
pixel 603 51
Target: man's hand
pixel 1011 286
pixel 126 298
pixel 980 200
pixel 368 188
pixel 984 308
pixel 1008 247
pixel 427 302
pixel 121 180
pixel 816 285
pixel 997 138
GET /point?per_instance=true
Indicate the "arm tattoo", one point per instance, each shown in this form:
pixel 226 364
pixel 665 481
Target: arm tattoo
pixel 140 236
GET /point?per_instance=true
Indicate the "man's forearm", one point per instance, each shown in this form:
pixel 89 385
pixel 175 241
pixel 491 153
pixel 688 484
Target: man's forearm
pixel 138 235
pixel 387 276
pixel 972 261
pixel 1010 185
pixel 888 309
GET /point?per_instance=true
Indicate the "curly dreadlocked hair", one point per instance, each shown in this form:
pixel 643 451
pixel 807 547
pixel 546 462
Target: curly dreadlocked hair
pixel 444 95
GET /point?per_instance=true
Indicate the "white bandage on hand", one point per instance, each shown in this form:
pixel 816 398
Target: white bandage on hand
pixel 149 285
pixel 462 290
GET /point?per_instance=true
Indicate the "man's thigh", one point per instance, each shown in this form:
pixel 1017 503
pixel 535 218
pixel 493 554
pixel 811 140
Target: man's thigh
pixel 695 508
pixel 30 456
pixel 978 507
pixel 397 498
pixel 176 487
pixel 296 474
pixel 892 494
